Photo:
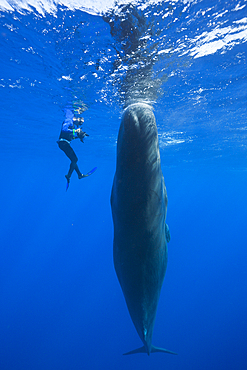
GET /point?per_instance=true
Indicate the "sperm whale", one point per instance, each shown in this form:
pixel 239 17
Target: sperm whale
pixel 139 206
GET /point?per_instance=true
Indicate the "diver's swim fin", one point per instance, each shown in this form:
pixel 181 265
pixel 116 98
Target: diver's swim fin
pixel 90 172
pixel 68 180
pixel 80 177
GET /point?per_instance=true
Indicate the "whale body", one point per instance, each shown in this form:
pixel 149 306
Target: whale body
pixel 139 206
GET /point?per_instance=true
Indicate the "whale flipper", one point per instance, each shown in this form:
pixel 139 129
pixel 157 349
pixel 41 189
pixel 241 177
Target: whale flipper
pixel 168 235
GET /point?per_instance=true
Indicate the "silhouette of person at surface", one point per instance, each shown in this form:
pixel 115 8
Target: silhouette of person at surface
pixel 69 132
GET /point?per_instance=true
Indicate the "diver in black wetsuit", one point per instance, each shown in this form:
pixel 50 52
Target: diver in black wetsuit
pixel 67 134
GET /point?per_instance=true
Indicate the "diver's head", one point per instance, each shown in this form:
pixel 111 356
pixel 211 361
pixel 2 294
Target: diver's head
pixel 78 121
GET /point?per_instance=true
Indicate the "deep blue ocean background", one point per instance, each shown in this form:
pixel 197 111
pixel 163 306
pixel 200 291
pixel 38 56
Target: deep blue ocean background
pixel 61 306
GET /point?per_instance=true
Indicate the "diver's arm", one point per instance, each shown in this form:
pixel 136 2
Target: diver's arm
pixel 76 133
pixel 81 134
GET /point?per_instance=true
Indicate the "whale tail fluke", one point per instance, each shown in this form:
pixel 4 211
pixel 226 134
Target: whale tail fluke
pixel 138 350
pixel 153 349
pixel 157 349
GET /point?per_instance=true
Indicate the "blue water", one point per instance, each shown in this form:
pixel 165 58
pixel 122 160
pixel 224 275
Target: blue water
pixel 61 306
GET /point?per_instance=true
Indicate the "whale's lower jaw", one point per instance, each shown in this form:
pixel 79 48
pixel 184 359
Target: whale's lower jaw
pixel 146 334
pixel 141 295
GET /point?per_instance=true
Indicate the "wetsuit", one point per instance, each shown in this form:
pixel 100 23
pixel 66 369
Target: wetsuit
pixel 67 134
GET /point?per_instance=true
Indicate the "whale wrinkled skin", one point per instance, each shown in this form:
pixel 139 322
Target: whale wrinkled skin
pixel 139 206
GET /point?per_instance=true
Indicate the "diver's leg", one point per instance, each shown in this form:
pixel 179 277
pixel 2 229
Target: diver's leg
pixel 73 166
pixel 72 156
pixel 80 175
pixel 71 169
